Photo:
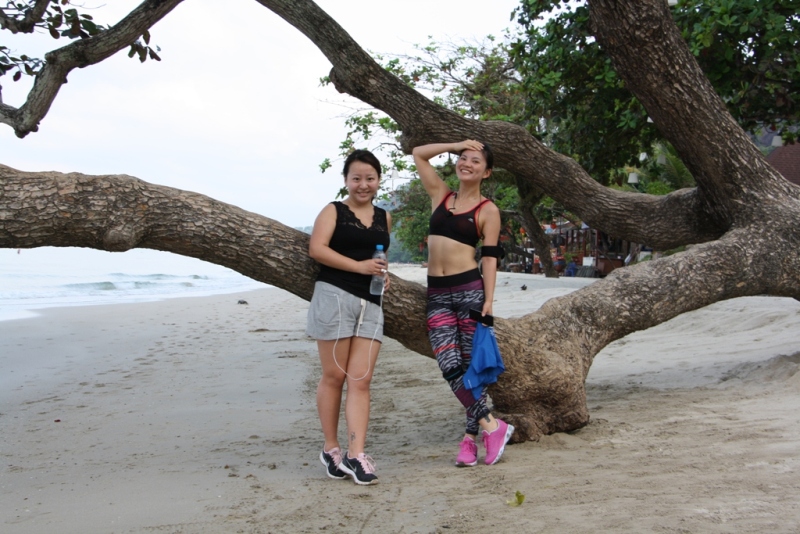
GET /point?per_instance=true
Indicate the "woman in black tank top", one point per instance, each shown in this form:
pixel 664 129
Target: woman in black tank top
pixel 455 285
pixel 344 318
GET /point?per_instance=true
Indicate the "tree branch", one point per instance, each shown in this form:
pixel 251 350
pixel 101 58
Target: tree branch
pixel 25 25
pixel 649 53
pixel 118 213
pixel 547 353
pixel 562 338
pixel 423 121
pixel 78 54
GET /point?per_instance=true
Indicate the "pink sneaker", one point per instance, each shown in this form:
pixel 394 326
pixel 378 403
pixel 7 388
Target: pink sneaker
pixel 467 453
pixel 495 441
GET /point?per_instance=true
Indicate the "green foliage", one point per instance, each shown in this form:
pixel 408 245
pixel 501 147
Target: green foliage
pixel 397 254
pixel 548 210
pixel 554 80
pixel 657 188
pixel 410 218
pixel 413 210
pixel 141 47
pixel 68 23
pixel 475 80
pixel 60 19
pixel 501 190
pixel 579 104
pixel 20 65
pixel 673 251
pixel 659 175
pixel 667 167
pixel 748 49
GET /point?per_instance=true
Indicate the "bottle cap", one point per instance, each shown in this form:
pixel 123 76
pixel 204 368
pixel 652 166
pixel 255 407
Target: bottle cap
pixel 379 247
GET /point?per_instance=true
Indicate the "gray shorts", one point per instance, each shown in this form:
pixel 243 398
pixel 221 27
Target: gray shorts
pixel 337 314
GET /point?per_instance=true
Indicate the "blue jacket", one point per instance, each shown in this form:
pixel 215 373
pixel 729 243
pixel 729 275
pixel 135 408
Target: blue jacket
pixel 486 364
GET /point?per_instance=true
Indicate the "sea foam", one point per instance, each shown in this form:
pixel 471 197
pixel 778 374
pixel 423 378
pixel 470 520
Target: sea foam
pixel 47 277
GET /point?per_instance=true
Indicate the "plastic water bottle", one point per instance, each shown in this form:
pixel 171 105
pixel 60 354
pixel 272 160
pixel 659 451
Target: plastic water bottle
pixel 376 286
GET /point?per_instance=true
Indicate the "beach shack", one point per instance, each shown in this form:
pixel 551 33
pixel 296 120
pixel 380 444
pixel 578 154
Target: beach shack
pixel 592 253
pixel 786 160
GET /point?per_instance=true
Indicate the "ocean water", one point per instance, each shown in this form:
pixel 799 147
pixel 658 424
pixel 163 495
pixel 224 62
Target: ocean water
pixel 32 279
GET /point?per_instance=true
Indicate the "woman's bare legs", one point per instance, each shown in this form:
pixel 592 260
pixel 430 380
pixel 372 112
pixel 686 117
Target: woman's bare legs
pixel 361 364
pixel 488 423
pixel 357 356
pixel 329 390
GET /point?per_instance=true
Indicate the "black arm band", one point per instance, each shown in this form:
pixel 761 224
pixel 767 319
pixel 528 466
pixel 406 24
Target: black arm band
pixel 494 252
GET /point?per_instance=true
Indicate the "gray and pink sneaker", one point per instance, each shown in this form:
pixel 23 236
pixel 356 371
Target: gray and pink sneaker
pixel 467 453
pixel 361 469
pixel 331 460
pixel 495 441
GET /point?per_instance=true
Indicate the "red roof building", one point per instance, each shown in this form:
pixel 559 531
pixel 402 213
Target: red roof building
pixel 786 160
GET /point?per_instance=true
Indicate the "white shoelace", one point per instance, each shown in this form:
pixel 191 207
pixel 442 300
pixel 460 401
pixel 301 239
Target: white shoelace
pixel 336 454
pixel 366 462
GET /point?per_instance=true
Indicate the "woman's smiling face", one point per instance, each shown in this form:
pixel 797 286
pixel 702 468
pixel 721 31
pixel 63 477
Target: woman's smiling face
pixel 362 181
pixel 471 165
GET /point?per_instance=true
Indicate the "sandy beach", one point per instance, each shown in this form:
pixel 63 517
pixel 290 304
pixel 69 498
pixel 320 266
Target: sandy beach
pixel 198 415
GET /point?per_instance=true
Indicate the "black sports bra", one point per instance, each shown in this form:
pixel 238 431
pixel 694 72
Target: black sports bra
pixel 461 227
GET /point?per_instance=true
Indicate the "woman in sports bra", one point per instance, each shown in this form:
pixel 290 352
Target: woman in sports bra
pixel 459 220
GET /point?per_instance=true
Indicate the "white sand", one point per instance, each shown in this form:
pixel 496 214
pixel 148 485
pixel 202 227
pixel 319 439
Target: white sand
pixel 198 415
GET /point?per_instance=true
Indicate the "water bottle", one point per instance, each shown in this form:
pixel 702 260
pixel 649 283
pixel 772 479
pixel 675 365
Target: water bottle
pixel 376 286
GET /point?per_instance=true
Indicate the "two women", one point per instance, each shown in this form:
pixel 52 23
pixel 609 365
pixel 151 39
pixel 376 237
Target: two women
pixel 459 221
pixel 347 321
pixel 344 318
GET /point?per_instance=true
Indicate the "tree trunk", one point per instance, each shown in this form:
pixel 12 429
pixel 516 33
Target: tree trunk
pixel 528 199
pixel 744 215
pixel 118 213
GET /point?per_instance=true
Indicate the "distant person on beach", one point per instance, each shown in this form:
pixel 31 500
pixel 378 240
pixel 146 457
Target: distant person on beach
pixel 344 318
pixel 459 220
pixel 572 268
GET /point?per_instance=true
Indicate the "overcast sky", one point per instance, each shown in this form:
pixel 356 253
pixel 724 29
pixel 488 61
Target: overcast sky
pixel 234 110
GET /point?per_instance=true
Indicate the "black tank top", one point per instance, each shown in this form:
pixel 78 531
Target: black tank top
pixel 352 239
pixel 461 227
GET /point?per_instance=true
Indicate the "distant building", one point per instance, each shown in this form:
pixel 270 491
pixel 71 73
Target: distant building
pixel 786 160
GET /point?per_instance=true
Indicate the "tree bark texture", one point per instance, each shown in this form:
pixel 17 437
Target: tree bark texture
pixel 117 213
pixel 28 22
pixel 529 197
pixel 641 218
pixel 742 219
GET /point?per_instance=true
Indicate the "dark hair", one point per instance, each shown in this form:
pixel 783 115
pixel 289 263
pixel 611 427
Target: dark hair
pixel 488 155
pixel 364 156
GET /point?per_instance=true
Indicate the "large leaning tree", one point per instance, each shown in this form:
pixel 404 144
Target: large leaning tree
pixel 743 218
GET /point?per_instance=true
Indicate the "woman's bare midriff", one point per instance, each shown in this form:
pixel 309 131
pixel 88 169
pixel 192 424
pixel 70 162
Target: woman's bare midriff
pixel 449 256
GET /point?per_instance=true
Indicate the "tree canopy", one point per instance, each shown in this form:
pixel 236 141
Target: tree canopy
pixel 554 79
pixel 749 50
pixel 732 222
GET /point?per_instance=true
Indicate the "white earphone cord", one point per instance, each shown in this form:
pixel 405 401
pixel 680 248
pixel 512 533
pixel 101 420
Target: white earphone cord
pixel 360 321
